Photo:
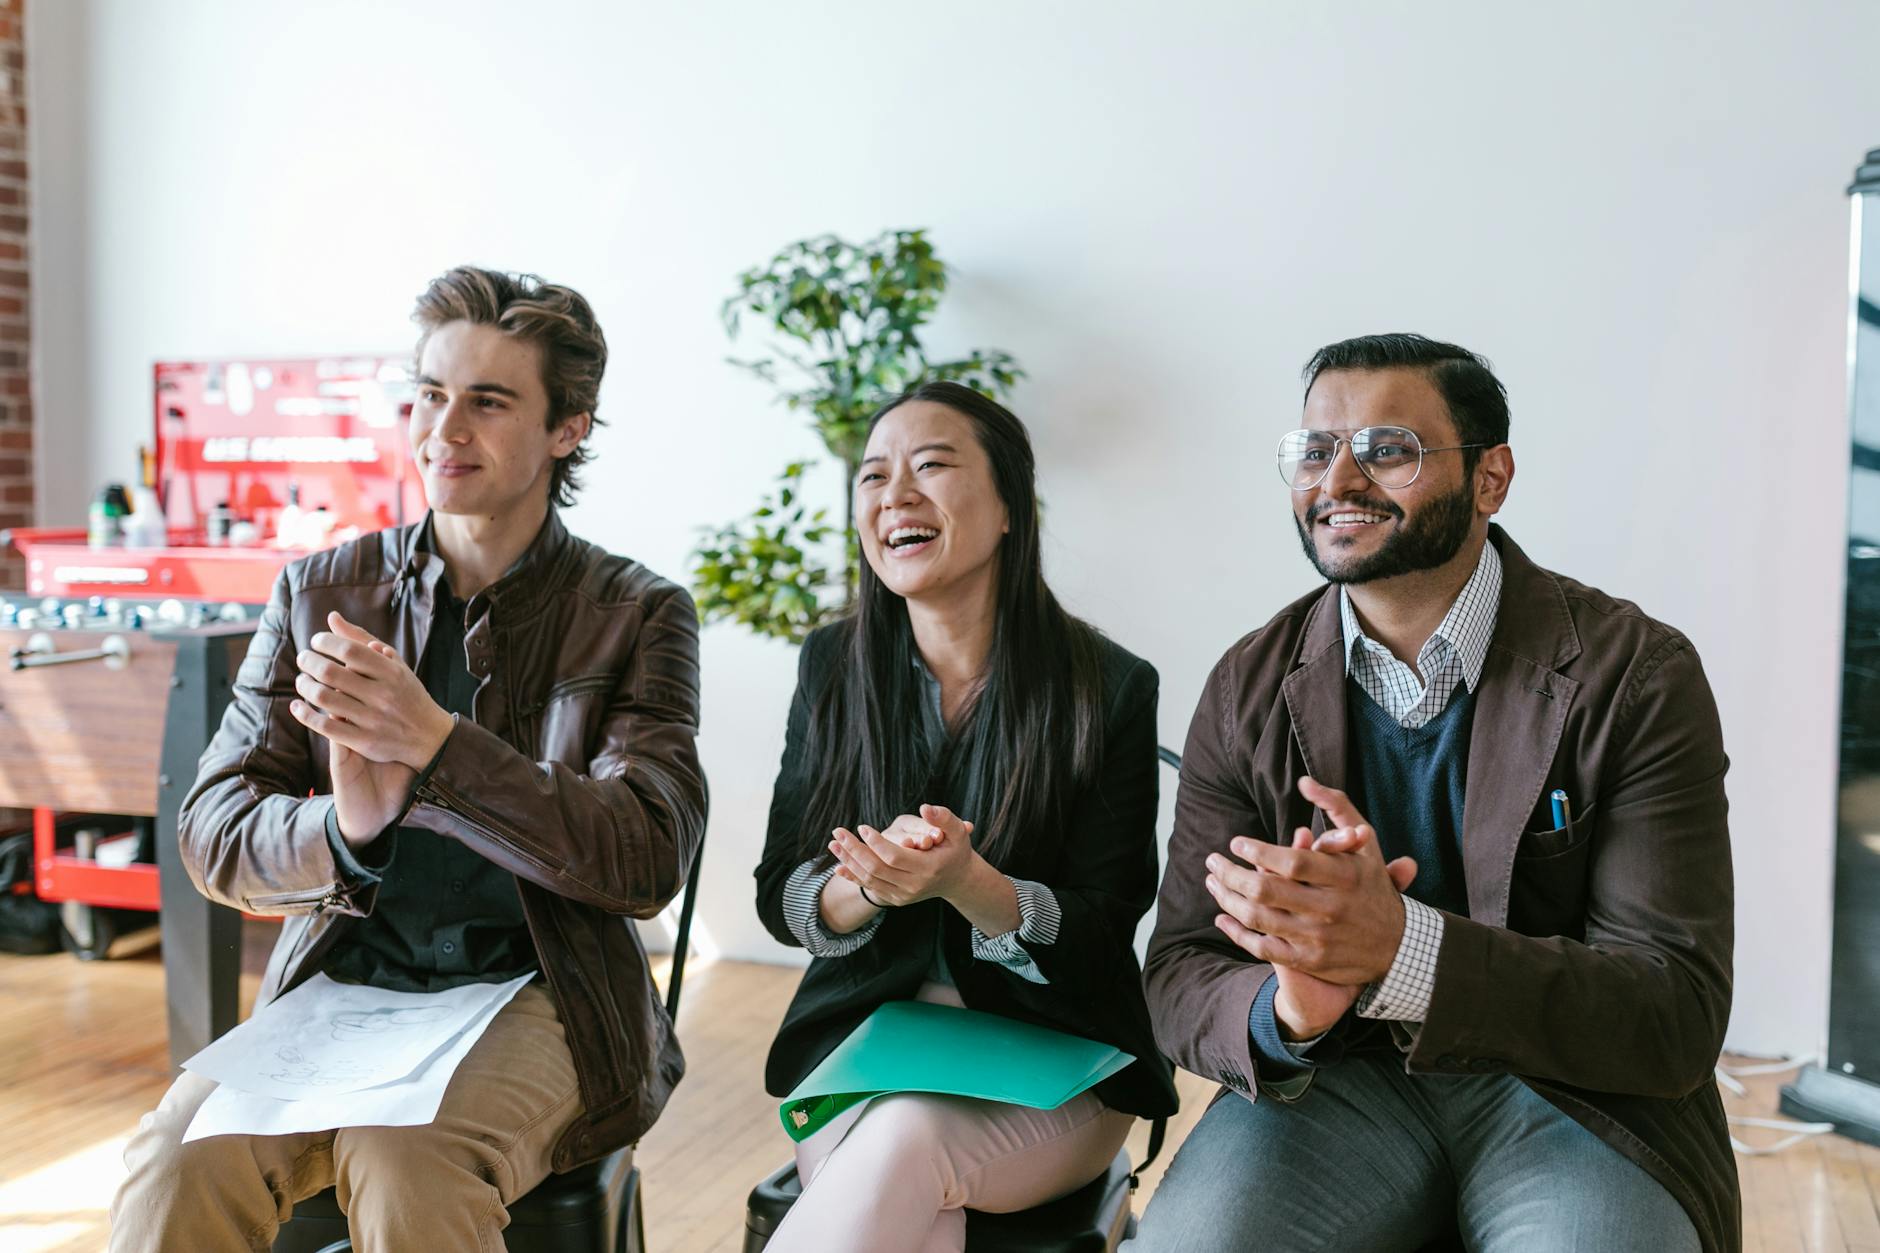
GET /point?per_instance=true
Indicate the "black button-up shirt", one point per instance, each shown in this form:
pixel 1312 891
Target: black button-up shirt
pixel 444 916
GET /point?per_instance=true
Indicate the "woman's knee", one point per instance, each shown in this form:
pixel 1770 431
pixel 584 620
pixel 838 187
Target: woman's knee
pixel 896 1135
pixel 910 1120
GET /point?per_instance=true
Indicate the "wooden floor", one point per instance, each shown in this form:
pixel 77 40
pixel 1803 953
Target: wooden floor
pixel 82 1055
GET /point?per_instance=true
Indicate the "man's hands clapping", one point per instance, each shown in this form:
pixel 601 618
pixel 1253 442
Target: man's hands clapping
pixel 1327 914
pixel 380 723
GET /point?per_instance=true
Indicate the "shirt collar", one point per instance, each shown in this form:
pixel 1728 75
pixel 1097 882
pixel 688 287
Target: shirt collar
pixel 526 570
pixel 1467 627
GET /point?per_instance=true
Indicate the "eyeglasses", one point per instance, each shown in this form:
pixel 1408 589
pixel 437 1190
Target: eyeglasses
pixel 1390 456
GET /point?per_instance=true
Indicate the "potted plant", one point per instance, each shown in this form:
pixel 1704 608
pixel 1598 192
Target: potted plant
pixel 845 320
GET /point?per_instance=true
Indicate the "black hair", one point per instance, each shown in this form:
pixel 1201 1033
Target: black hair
pixel 1478 403
pixel 1032 733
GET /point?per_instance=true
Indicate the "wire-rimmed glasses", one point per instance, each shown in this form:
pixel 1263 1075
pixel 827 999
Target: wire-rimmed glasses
pixel 1390 456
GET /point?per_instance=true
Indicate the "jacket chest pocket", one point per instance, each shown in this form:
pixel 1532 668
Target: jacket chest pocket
pixel 566 721
pixel 1548 894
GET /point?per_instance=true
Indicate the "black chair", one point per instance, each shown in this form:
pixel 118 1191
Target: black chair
pixel 594 1208
pixel 1094 1219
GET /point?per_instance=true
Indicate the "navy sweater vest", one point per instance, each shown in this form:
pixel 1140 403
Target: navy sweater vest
pixel 1409 784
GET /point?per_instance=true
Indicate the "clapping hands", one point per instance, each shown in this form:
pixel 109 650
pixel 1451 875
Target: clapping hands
pixel 917 858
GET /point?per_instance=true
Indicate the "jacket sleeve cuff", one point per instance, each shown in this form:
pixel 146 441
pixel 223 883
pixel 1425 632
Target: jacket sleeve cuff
pixel 1404 993
pixel 1039 917
pixel 367 867
pixel 802 913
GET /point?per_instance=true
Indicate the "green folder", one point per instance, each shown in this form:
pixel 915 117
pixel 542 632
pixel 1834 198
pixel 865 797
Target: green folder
pixel 912 1046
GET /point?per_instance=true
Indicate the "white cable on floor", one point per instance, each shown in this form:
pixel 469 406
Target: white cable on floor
pixel 1799 1131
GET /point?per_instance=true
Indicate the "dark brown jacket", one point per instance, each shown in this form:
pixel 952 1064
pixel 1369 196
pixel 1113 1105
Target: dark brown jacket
pixel 1595 962
pixel 578 774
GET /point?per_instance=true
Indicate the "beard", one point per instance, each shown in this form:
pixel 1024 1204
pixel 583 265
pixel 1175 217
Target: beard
pixel 1432 537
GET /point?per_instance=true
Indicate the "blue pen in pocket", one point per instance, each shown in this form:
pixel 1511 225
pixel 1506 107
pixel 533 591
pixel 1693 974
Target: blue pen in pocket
pixel 1563 809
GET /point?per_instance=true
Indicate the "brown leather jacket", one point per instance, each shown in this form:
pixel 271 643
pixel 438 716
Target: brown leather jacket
pixel 1594 963
pixel 578 774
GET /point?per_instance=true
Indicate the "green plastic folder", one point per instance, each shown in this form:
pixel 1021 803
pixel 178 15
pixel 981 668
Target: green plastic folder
pixel 912 1046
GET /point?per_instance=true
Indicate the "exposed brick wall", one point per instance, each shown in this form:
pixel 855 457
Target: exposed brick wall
pixel 16 393
pixel 16 400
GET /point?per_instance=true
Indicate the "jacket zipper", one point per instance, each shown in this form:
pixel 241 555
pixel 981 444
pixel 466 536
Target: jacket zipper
pixel 322 899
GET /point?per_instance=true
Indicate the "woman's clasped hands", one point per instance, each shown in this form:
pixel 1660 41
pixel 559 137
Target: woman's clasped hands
pixel 919 857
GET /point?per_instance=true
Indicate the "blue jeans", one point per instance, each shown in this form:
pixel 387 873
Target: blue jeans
pixel 1372 1158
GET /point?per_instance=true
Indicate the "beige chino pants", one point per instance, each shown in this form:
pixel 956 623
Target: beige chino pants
pixel 447 1185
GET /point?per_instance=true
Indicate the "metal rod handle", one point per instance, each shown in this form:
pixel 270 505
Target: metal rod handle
pixel 115 652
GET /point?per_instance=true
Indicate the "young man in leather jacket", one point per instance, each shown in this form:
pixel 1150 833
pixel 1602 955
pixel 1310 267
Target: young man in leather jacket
pixel 459 751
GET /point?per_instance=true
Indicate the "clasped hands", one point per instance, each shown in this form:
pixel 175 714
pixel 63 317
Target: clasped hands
pixel 919 856
pixel 376 716
pixel 1327 914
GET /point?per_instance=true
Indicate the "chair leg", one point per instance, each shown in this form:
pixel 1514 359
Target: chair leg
pixel 631 1238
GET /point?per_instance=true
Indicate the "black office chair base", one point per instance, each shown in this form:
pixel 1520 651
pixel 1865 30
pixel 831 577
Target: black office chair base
pixel 592 1209
pixel 1094 1219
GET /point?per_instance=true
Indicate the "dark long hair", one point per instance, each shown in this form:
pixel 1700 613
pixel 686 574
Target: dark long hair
pixel 1034 731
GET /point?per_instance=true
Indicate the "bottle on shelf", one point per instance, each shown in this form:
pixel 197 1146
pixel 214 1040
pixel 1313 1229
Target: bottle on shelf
pixel 287 525
pixel 145 526
pixel 105 519
pixel 218 524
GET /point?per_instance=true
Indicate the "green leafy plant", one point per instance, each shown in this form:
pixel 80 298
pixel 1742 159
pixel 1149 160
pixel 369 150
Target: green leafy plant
pixel 760 570
pixel 845 322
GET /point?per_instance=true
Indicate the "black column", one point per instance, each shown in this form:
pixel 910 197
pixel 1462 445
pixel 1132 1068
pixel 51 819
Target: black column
pixel 1846 1091
pixel 202 941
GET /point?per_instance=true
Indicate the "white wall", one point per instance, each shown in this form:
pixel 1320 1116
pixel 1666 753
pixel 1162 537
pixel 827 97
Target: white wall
pixel 1635 210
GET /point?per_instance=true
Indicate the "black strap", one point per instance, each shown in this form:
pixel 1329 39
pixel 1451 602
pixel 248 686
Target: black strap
pixel 680 942
pixel 1158 1131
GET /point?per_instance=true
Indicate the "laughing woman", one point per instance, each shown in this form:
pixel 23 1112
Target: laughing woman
pixel 965 815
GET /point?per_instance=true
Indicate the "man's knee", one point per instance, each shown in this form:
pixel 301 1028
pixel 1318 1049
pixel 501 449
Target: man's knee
pixel 1332 1170
pixel 432 1160
pixel 410 1150
pixel 1204 1200
pixel 216 1184
pixel 156 1151
pixel 1642 1219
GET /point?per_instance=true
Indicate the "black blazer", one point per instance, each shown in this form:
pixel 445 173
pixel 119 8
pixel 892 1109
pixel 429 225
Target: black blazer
pixel 1101 866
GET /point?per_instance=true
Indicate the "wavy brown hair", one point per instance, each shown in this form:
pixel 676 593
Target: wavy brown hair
pixel 558 320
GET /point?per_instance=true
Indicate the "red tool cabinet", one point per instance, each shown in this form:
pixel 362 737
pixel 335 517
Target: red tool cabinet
pixel 92 642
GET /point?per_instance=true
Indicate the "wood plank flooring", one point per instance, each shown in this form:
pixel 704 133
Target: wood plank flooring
pixel 82 1056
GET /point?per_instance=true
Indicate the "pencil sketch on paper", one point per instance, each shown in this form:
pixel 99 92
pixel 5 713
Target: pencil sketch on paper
pixel 326 1038
pixel 298 1069
pixel 356 1024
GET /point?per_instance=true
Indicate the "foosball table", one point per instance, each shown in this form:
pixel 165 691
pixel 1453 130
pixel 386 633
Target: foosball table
pixel 120 659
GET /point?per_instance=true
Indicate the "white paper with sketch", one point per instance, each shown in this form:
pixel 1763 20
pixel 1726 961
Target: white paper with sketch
pixel 406 1102
pixel 328 1038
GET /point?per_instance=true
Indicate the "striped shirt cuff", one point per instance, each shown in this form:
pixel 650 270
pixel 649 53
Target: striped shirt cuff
pixel 1039 916
pixel 802 913
pixel 1404 992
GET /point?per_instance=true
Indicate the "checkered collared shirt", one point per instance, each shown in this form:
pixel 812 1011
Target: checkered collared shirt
pixel 1453 654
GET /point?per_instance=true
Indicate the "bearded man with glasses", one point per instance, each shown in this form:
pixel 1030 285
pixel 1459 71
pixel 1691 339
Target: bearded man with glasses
pixel 1448 905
